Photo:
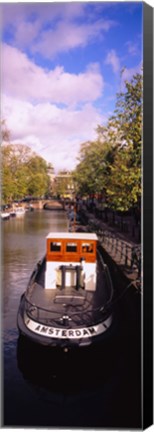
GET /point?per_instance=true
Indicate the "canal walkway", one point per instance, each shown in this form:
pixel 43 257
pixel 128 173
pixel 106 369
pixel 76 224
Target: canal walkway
pixel 119 238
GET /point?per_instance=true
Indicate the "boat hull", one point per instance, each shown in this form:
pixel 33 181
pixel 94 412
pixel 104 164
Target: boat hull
pixel 64 337
pixel 5 216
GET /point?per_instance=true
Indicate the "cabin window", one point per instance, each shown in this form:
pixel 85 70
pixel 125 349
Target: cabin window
pixel 87 247
pixel 71 247
pixel 55 246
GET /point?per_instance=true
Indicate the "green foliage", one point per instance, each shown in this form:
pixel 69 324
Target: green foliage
pixel 124 188
pixel 37 177
pixel 112 163
pixel 23 173
pixel 91 174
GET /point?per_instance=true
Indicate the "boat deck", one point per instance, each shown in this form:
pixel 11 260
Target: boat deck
pixel 69 305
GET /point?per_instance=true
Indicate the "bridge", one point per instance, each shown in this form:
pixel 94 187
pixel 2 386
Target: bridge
pixel 48 204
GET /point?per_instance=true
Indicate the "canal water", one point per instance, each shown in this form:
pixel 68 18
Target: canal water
pixel 95 388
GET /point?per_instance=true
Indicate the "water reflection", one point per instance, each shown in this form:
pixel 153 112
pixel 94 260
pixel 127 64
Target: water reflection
pixel 23 245
pixel 79 369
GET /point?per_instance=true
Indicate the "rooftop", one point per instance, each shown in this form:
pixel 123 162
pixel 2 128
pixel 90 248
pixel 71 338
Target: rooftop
pixel 72 236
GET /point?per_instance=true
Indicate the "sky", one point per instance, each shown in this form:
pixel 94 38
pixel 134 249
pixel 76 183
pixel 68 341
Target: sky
pixel 61 69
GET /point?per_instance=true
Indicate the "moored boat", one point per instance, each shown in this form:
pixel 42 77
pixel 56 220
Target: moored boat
pixel 19 211
pixel 5 215
pixel 68 301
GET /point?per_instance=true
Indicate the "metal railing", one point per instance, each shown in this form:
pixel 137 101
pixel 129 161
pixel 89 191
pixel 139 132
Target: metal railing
pixel 86 314
pixel 126 254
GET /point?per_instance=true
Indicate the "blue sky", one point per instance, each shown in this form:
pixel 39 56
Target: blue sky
pixel 61 65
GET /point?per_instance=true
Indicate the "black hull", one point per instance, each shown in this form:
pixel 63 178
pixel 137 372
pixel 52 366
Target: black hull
pixel 64 344
pixel 67 369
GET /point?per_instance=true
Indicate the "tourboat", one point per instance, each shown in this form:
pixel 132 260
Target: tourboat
pixel 69 297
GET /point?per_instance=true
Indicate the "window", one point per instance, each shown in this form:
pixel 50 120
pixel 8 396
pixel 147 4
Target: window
pixel 55 246
pixel 71 247
pixel 87 247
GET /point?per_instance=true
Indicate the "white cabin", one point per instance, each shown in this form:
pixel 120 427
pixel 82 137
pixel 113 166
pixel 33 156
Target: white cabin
pixel 71 260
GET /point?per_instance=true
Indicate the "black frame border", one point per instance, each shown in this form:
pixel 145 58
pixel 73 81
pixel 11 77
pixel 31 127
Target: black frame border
pixel 147 324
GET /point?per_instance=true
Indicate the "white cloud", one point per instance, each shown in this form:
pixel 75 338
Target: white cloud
pixel 54 133
pixel 52 28
pixel 50 111
pixel 21 78
pixel 113 60
pixel 68 35
pixel 14 14
pixel 26 32
pixel 133 48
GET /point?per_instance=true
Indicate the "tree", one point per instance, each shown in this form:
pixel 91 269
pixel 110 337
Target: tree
pixel 37 177
pixel 5 133
pixel 23 173
pixel 91 172
pixel 124 187
pixel 125 181
pixel 113 162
